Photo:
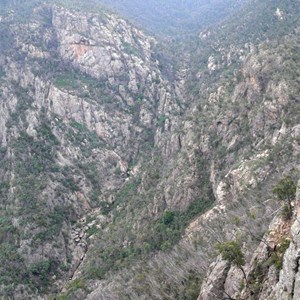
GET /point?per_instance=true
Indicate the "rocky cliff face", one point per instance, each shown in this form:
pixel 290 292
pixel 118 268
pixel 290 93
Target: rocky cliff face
pixel 71 128
pixel 116 180
pixel 272 271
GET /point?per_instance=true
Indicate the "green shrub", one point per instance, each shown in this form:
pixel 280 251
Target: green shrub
pixel 166 246
pixel 192 286
pixel 232 252
pixel 285 190
pixel 277 257
pixel 40 273
pixel 76 284
pixel 168 217
pixel 286 212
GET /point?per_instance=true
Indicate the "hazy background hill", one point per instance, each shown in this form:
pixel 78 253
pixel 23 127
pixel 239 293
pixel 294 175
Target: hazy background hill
pixel 175 16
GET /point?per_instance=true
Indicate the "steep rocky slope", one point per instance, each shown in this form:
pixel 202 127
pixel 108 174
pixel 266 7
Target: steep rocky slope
pixel 118 179
pixel 238 125
pixel 79 102
pixel 271 273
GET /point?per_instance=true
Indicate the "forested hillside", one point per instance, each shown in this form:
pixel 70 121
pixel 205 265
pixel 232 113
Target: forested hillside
pixel 131 150
pixel 175 17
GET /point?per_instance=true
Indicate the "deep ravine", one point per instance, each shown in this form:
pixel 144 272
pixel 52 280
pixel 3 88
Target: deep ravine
pixel 126 158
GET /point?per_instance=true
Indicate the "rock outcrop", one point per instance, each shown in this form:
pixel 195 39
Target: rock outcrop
pixel 122 168
pixel 272 271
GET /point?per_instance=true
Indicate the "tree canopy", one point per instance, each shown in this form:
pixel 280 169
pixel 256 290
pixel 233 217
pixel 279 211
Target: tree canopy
pixel 285 189
pixel 232 252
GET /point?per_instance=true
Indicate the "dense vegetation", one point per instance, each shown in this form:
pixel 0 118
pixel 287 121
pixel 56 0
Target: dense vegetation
pixel 35 167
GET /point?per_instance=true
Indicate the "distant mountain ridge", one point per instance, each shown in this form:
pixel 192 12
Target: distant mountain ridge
pixel 175 17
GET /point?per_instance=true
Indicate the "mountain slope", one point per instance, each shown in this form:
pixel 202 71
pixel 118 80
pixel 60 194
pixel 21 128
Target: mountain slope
pixel 176 17
pixel 64 130
pixel 238 123
pixel 120 174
